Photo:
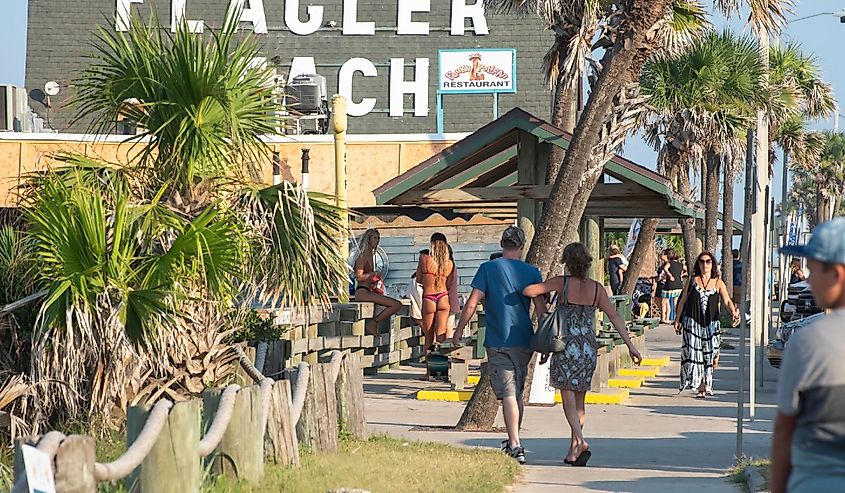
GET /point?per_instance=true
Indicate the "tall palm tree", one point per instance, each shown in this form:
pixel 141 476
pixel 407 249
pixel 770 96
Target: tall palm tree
pixel 632 37
pixel 828 176
pixel 700 103
pixel 797 93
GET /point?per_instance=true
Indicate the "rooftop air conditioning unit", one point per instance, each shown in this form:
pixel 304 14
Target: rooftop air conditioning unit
pixel 306 94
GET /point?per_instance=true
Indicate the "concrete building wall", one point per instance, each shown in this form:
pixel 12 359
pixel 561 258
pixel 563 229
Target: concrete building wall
pixel 60 35
pixel 371 160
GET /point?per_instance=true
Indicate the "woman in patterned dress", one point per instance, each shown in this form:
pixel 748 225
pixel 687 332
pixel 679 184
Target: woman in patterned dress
pixel 572 369
pixel 699 323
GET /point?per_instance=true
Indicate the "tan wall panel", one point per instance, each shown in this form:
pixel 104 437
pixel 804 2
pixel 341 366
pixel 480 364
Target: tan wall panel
pixel 413 153
pixel 369 164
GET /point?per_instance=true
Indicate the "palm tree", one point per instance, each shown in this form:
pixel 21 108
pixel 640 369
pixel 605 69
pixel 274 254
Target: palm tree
pixel 631 37
pixel 797 93
pixel 151 263
pixel 828 176
pixel 613 105
pixel 700 104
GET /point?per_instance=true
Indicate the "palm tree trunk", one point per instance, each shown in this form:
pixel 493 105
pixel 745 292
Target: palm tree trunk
pixel 642 248
pixel 837 205
pixel 564 116
pixel 481 410
pixel 727 227
pixel 711 200
pixel 622 65
pixel 687 224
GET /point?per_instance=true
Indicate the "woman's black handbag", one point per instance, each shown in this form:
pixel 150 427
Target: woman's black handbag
pixel 551 330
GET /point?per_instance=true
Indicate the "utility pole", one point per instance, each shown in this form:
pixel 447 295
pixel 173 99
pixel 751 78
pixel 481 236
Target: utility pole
pixel 743 296
pixel 339 125
pixel 759 258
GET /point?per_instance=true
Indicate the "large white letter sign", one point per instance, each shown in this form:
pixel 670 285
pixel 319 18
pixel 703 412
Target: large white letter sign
pixel 254 14
pixel 399 87
pixel 344 83
pixel 461 11
pixel 301 65
pixel 123 14
pixel 315 18
pixel 405 23
pixel 177 13
pixel 350 20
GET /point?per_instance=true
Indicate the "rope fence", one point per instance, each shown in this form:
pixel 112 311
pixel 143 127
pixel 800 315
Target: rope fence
pixel 240 432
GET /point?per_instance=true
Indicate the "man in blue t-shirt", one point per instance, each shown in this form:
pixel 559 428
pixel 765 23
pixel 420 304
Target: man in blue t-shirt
pixel 500 283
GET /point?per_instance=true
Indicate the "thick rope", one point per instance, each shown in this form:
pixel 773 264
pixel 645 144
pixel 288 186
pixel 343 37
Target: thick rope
pixel 266 385
pixel 137 452
pixel 298 388
pixel 48 444
pixel 334 367
pixel 221 421
pixel 247 365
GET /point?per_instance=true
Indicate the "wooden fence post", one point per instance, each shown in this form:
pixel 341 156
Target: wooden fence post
pixel 19 470
pixel 74 465
pixel 280 444
pixel 240 454
pixel 317 426
pixel 173 464
pixel 350 397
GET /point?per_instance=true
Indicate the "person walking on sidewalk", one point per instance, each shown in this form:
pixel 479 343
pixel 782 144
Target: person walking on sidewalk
pixel 700 325
pixel 808 446
pixel 499 283
pixel 572 369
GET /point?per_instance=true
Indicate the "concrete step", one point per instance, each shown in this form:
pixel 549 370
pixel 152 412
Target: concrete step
pixel 626 382
pixel 642 371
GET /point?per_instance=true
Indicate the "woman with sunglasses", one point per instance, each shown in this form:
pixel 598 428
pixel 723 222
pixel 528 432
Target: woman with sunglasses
pixel 699 323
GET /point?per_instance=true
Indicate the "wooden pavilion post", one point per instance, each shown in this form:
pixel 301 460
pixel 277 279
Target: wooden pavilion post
pixel 526 171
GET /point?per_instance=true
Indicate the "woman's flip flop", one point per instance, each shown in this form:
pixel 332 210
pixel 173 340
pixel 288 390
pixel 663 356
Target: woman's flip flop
pixel 582 459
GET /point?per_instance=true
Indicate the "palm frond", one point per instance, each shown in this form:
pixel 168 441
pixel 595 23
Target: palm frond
pixel 764 15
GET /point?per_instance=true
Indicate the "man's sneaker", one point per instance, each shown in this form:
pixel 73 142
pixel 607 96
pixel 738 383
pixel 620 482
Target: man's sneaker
pixel 505 445
pixel 517 453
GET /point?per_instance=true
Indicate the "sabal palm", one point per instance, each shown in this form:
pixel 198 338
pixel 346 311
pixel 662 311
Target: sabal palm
pixel 700 104
pixel 829 175
pixel 797 92
pixel 200 100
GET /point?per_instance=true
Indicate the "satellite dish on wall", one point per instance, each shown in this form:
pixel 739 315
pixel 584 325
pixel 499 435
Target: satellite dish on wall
pixel 51 88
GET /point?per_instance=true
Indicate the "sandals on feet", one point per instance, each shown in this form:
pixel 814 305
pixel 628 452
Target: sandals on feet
pixel 582 459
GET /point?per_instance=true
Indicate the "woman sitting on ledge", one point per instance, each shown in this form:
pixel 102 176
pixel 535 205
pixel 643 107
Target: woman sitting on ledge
pixel 370 284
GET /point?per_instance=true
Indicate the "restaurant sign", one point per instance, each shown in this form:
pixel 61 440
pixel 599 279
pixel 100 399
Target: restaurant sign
pixel 477 71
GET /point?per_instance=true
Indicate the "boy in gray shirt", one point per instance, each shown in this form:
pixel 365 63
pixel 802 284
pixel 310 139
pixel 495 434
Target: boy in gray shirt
pixel 808 447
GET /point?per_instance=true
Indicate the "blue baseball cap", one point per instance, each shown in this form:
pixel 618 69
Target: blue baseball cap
pixel 827 244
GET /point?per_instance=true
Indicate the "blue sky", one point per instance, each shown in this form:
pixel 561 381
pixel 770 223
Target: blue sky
pixel 823 36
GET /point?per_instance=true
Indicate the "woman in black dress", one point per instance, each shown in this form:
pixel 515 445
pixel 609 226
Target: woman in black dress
pixel 699 323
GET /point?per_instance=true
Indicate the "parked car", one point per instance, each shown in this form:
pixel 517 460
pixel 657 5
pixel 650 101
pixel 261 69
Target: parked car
pixel 774 351
pixel 799 303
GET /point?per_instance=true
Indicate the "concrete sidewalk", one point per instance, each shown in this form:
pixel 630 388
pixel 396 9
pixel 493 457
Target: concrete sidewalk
pixel 658 441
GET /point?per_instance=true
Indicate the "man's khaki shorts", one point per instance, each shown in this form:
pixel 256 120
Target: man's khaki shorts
pixel 508 367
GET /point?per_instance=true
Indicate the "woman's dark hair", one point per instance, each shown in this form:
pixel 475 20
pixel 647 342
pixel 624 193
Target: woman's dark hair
pixel 438 237
pixel 577 260
pixel 696 270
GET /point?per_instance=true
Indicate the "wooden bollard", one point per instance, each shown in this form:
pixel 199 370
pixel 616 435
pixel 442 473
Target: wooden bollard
pixel 241 375
pixel 280 444
pixel 74 465
pixel 173 464
pixel 349 389
pixel 240 454
pixel 317 427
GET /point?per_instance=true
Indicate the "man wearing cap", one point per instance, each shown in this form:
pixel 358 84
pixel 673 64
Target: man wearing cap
pixel 808 447
pixel 500 283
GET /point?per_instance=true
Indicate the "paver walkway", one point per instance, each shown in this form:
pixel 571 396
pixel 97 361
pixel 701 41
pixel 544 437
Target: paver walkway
pixel 659 441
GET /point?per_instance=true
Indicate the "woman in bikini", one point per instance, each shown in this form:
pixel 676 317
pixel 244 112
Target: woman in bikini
pixel 370 286
pixel 435 272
